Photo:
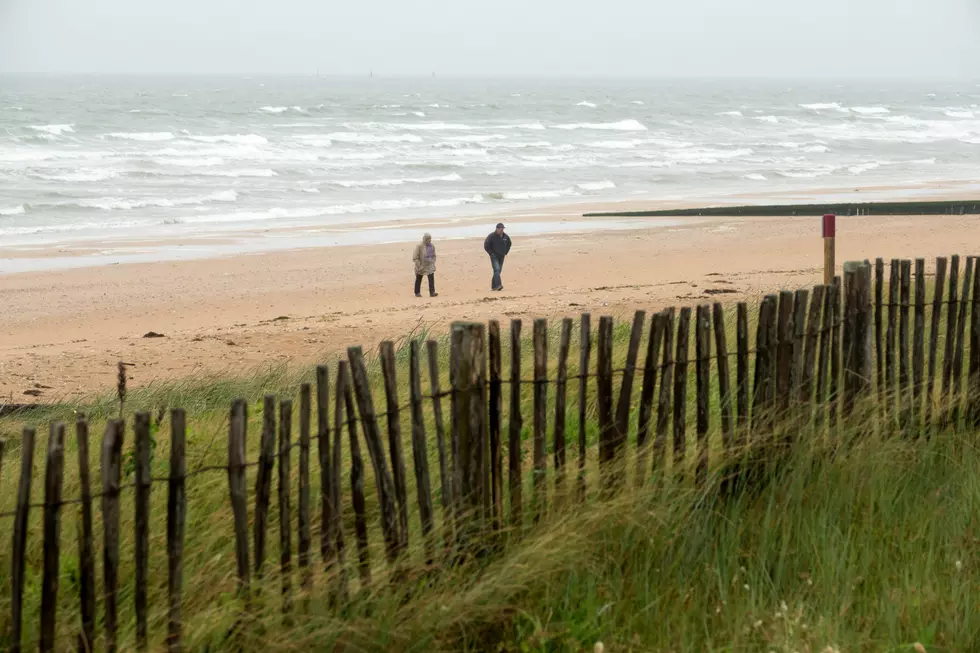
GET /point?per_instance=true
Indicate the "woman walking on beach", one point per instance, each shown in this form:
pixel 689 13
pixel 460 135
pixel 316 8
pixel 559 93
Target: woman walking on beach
pixel 425 265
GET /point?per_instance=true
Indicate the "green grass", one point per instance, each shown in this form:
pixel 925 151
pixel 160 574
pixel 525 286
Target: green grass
pixel 870 549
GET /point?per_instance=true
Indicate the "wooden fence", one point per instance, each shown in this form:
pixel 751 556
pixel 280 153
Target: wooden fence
pixel 817 355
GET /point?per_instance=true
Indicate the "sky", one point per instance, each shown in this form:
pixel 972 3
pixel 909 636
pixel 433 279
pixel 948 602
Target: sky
pixel 832 39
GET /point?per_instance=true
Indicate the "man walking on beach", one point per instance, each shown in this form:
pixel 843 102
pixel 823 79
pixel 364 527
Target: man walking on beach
pixel 497 245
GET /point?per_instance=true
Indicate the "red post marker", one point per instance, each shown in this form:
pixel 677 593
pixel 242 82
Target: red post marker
pixel 829 246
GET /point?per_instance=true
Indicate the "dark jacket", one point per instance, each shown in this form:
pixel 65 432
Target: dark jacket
pixel 498 246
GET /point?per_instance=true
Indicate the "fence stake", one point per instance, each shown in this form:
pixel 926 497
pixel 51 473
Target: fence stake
pixel 950 345
pixel 112 443
pixel 604 397
pixel 680 391
pixel 54 477
pixel 141 434
pixel 345 401
pixel 857 365
pixel 937 313
pixel 626 388
pixel 904 398
pixel 561 393
pixel 540 417
pixel 702 346
pixel 584 352
pixel 663 400
pixel 742 370
pixel 784 354
pixel 879 342
pixel 764 363
pixel 479 442
pixel 303 524
pixel 236 486
pixel 957 391
pixel 973 383
pixel 19 541
pixel 891 335
pixel 823 363
pixel 724 382
pixel 420 451
pixel 455 357
pixel 918 341
pixel 327 506
pixel 829 238
pixel 86 541
pixel 469 391
pixel 176 520
pixel 285 512
pixel 515 425
pixel 835 355
pixel 645 418
pixel 372 435
pixel 810 350
pixel 496 409
pixel 445 482
pixel 800 299
pixel 335 532
pixel 263 480
pixel 395 448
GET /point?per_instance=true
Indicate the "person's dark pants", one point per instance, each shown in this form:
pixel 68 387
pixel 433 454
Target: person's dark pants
pixel 497 262
pixel 418 284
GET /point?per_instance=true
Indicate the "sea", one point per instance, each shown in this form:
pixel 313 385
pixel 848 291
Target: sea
pixel 251 164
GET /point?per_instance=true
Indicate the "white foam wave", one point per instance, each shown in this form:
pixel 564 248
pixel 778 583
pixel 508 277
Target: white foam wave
pixel 338 209
pixel 80 175
pixel 615 145
pixel 12 210
pixel 816 149
pixel 959 113
pixel 533 195
pixel 197 162
pixel 823 106
pixel 770 119
pixel 142 136
pixel 736 114
pixel 359 138
pixel 756 177
pixel 420 114
pixel 118 204
pixel 477 138
pixel 597 185
pixel 367 183
pixel 274 109
pixel 241 139
pixel 640 102
pixel 54 130
pixel 257 172
pixel 586 103
pixel 623 125
pixel 864 167
pixel 870 111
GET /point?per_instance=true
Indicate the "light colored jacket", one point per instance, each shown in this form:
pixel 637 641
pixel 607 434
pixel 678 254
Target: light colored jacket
pixel 423 265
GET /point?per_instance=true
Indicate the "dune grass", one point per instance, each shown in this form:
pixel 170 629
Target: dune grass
pixel 860 543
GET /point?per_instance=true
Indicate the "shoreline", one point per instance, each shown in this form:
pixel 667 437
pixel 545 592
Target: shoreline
pixel 534 219
pixel 64 331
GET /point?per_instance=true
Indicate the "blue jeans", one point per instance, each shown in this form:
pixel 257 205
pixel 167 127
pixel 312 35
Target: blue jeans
pixel 498 264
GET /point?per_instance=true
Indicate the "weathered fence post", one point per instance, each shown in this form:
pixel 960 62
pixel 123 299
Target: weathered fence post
pixel 764 365
pixel 918 341
pixel 724 381
pixel 372 435
pixel 111 465
pixel 345 404
pixel 285 509
pixel 946 392
pixel 891 334
pixel 680 392
pixel 395 448
pixel 905 399
pixel 937 313
pixel 176 519
pixel 263 480
pixel 470 418
pixel 327 507
pixel 626 388
pixel 742 371
pixel 663 400
pixel 141 432
pixel 957 386
pixel 54 476
pixel 540 417
pixel 784 356
pixel 496 410
pixel 515 424
pixel 645 417
pixel 236 488
pixel 420 451
pixel 19 540
pixel 561 393
pixel 86 543
pixel 702 346
pixel 445 480
pixel 835 355
pixel 604 387
pixel 303 508
pixel 879 342
pixel 857 359
pixel 585 350
pixel 973 382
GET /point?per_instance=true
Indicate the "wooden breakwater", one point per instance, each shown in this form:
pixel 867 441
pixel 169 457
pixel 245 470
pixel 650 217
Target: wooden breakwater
pixel 954 207
pixel 885 340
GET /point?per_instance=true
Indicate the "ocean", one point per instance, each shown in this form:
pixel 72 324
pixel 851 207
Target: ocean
pixel 103 160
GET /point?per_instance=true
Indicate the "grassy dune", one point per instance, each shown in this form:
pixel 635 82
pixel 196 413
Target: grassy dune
pixel 863 543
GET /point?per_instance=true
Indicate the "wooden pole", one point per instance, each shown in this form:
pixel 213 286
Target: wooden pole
pixel 263 481
pixel 420 451
pixel 702 347
pixel 86 544
pixel 680 391
pixel 176 519
pixel 560 398
pixel 540 416
pixel 645 417
pixel 515 424
pixel 445 481
pixel 285 509
pixel 143 478
pixel 54 476
pixel 585 349
pixel 303 540
pixel 395 447
pixel 111 476
pixel 604 388
pixel 236 489
pixel 496 410
pixel 829 247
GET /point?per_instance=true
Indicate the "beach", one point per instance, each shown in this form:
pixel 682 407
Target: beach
pixel 63 331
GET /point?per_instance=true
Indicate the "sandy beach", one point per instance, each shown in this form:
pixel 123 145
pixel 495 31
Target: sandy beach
pixel 64 331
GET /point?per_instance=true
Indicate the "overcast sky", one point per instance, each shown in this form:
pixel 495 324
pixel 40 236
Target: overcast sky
pixel 656 38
